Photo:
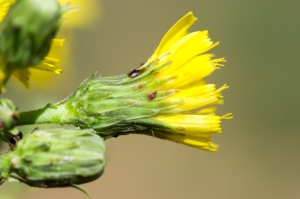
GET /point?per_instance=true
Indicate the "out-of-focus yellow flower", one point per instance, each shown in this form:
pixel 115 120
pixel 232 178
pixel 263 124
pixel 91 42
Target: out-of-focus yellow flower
pixel 22 72
pixel 192 123
pixel 85 13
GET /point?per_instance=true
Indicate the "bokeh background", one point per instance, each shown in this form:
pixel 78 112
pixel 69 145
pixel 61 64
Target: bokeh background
pixel 259 148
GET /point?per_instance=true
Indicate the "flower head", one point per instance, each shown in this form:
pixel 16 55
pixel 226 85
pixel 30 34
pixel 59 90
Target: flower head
pixel 166 97
pixel 27 30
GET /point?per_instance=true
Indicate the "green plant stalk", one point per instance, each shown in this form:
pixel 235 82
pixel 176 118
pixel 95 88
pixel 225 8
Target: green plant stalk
pixel 48 115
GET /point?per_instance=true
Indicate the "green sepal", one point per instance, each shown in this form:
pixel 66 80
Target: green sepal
pixel 109 105
pixel 161 105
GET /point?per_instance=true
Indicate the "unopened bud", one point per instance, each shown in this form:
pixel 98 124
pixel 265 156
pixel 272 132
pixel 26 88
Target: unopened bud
pixel 27 30
pixel 58 157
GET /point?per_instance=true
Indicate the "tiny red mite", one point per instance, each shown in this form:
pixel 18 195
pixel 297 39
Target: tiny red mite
pixel 152 95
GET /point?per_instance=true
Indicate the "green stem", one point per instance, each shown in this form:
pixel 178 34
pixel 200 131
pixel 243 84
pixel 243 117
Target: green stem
pixel 47 115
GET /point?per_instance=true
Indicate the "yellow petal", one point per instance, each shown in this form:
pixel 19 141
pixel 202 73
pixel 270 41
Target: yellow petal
pixel 23 75
pixel 198 97
pixel 194 124
pixel 195 69
pixel 4 6
pixel 177 31
pixel 198 143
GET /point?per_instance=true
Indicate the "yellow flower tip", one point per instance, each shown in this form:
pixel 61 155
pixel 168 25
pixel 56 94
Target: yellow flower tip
pixel 58 42
pixel 222 59
pixel 225 86
pixel 215 62
pixel 207 146
pixel 227 116
pixel 58 71
pixel 196 143
pixel 48 64
pixel 212 147
pixel 178 30
pixel 220 102
pixel 206 111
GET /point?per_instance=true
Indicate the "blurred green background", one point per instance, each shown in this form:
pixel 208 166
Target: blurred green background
pixel 259 148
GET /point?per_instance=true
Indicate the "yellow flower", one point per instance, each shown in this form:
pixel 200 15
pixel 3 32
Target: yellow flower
pixel 166 98
pixel 22 72
pixel 193 124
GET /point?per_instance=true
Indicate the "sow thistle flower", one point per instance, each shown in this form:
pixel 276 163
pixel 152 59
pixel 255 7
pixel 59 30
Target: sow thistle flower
pixel 27 29
pixel 55 158
pixel 166 97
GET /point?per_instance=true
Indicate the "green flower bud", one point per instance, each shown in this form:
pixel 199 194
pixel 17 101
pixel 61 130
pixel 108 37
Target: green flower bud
pixel 9 115
pixel 57 158
pixel 27 31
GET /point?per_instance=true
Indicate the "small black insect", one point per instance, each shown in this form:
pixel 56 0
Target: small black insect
pixel 134 73
pixel 14 139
